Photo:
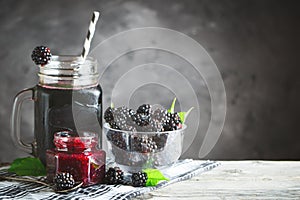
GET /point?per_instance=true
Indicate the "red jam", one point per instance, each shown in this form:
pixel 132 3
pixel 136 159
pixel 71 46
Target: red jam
pixel 78 156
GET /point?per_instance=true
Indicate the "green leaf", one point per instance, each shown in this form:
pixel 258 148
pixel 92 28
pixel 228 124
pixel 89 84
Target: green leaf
pixel 28 167
pixel 154 176
pixel 112 105
pixel 171 110
pixel 183 115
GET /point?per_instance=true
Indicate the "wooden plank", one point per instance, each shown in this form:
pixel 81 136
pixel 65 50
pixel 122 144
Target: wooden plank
pixel 238 180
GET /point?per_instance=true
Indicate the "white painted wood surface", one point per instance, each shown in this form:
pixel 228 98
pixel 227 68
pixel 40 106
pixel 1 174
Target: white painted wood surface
pixel 238 180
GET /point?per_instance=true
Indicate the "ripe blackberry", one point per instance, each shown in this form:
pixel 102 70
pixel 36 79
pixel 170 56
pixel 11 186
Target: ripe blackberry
pixel 123 111
pixel 140 119
pixel 168 117
pixel 160 140
pixel 170 126
pixel 139 179
pixel 64 181
pixel 129 128
pixel 117 139
pixel 114 176
pixel 175 117
pixel 144 109
pixel 123 117
pixel 41 55
pixel 113 125
pixel 143 144
pixel 108 115
pixel 167 127
pixel 172 123
pixel 160 115
pixel 153 126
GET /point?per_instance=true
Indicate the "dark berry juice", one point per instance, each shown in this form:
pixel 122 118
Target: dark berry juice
pixel 58 109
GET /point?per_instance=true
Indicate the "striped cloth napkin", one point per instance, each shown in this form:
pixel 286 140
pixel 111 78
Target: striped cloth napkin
pixel 181 170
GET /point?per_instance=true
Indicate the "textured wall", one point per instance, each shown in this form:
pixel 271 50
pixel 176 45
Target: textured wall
pixel 254 44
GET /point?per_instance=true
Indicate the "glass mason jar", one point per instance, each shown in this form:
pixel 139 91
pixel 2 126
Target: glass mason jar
pixel 78 156
pixel 67 97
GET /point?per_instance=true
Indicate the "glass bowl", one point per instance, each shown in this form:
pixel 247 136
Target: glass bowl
pixel 134 151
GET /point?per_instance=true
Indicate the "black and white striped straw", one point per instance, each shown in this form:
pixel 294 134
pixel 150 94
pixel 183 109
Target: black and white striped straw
pixel 90 34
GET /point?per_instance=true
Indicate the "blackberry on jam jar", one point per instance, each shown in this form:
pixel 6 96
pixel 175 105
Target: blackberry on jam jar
pixel 78 156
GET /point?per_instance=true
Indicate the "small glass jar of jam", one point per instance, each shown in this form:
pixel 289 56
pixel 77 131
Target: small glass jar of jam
pixel 78 155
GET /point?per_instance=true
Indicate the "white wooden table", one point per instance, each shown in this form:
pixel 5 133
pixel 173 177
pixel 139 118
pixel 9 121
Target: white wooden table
pixel 238 180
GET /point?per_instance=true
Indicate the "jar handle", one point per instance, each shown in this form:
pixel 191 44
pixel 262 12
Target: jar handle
pixel 26 94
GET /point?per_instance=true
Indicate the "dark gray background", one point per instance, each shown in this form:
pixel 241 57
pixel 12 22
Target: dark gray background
pixel 255 45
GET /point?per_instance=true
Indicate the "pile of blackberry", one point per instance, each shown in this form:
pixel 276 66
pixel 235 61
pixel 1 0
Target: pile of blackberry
pixel 144 119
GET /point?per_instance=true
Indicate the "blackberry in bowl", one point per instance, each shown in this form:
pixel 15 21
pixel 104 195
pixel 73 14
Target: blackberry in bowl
pixel 145 138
